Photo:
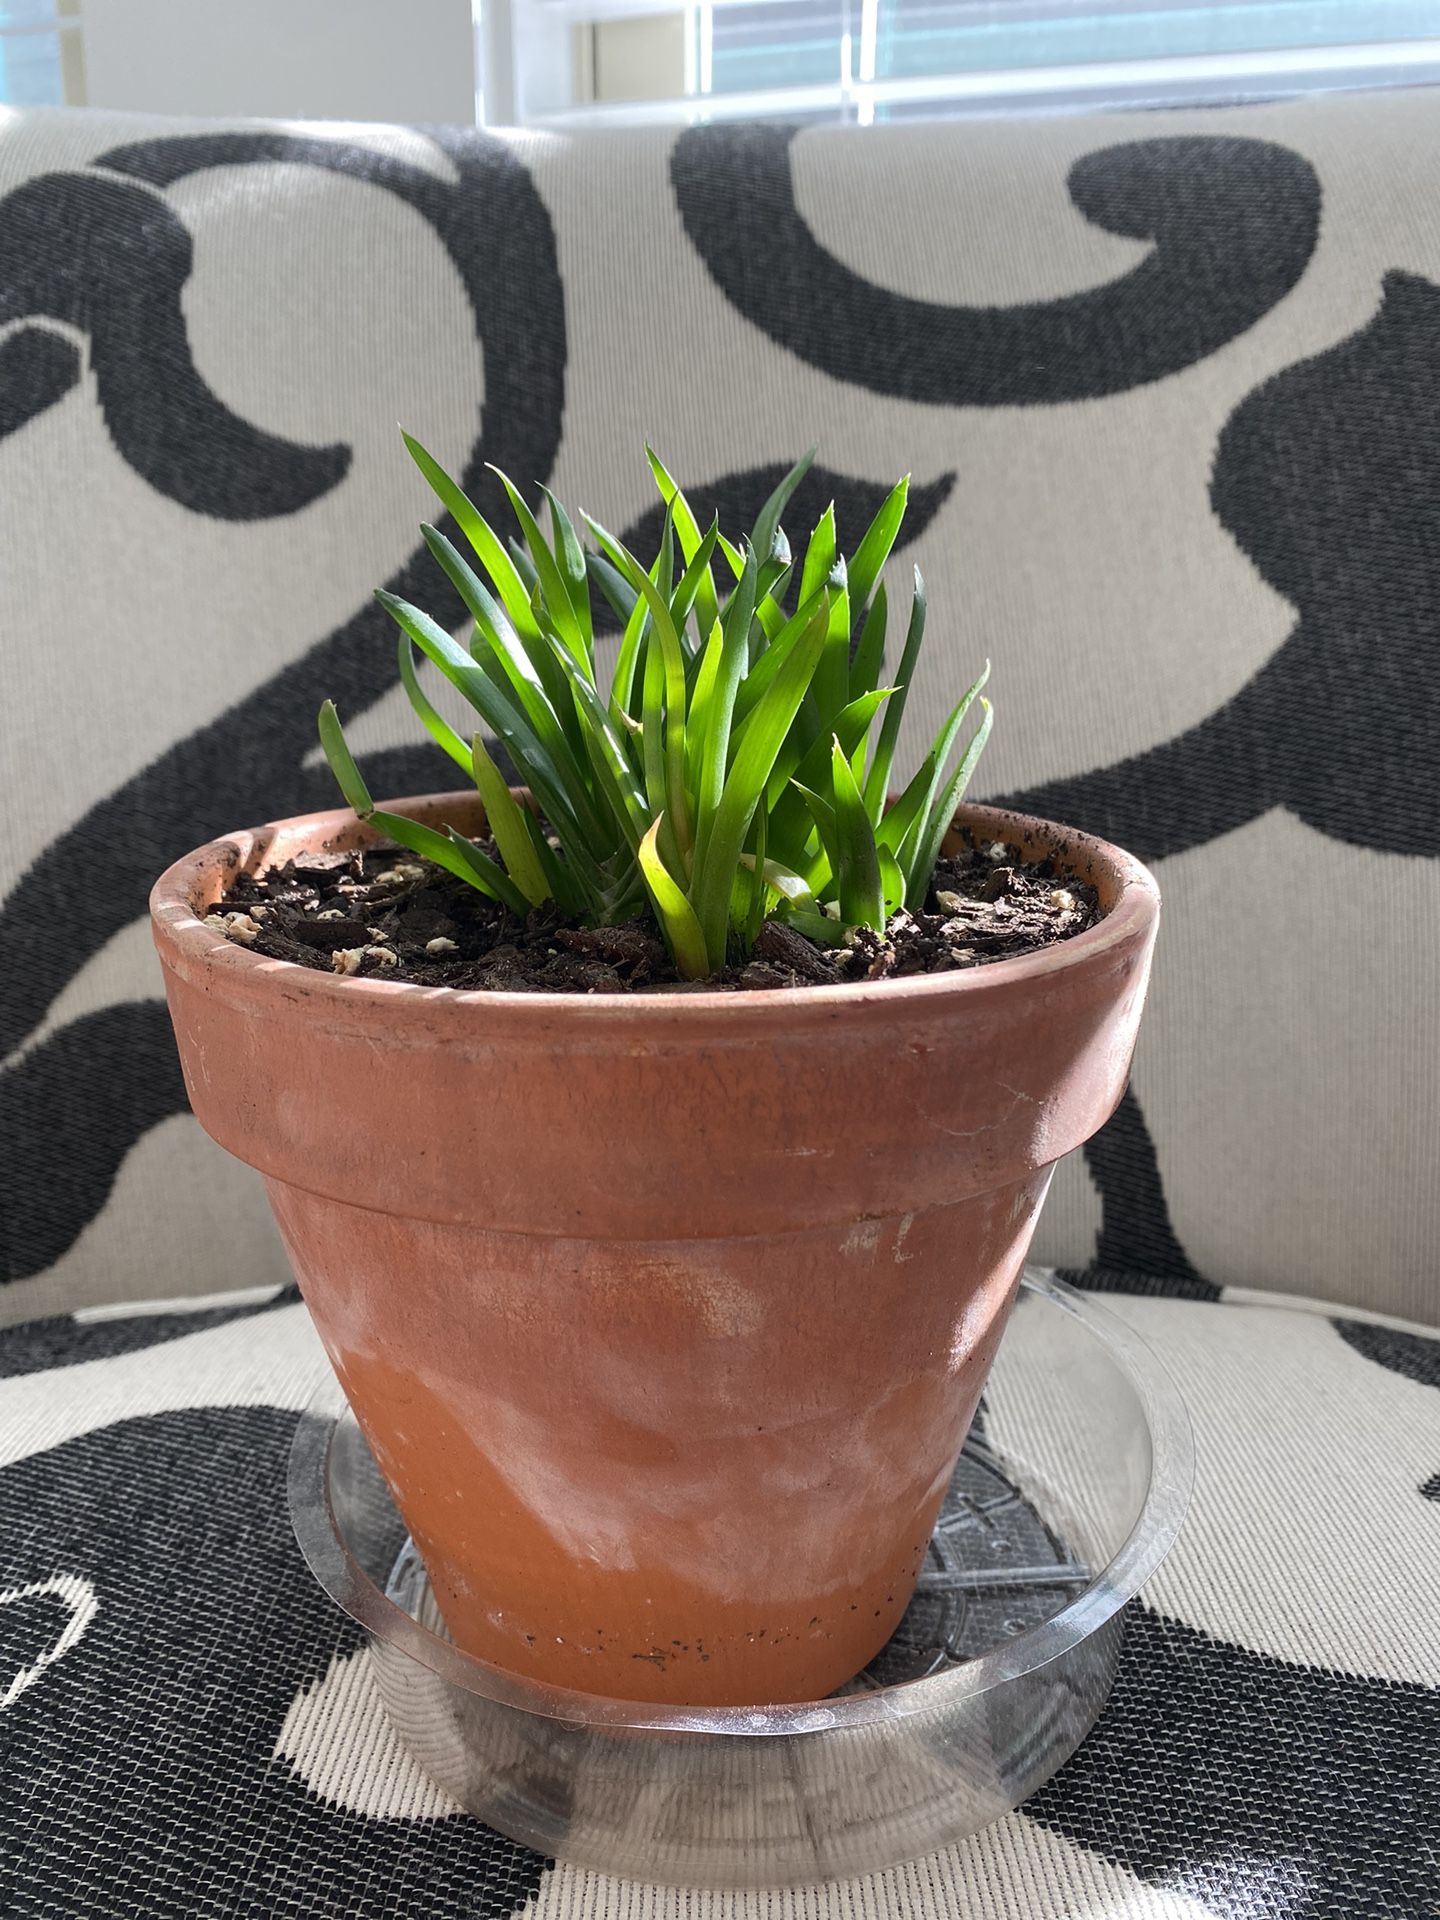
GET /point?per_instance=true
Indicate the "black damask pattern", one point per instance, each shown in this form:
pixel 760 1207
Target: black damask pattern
pixel 1414 1356
pixel 141 1776
pixel 70 1110
pixel 139 1769
pixel 38 366
pixel 35 1346
pixel 1302 467
pixel 1233 224
pixel 71 249
pixel 246 765
pixel 1328 477
pixel 1137 1250
pixel 1257 1787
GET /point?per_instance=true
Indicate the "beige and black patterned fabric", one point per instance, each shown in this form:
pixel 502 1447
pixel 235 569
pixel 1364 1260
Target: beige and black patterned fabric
pixel 189 1730
pixel 1169 386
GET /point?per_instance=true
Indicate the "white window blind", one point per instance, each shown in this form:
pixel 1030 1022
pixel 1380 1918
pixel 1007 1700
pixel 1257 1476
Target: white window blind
pixel 880 59
pixel 562 61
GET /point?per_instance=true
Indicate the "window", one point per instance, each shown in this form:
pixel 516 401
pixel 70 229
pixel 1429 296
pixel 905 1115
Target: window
pixel 881 59
pixel 40 58
pixel 560 61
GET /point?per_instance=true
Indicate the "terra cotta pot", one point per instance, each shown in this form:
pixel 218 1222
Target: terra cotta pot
pixel 665 1315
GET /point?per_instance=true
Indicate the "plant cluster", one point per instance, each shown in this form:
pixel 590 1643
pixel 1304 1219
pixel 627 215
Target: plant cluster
pixel 737 766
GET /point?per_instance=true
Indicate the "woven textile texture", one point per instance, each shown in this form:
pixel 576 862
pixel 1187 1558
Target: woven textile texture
pixel 1168 388
pixel 189 1730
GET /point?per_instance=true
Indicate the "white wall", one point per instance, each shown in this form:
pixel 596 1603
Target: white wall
pixel 397 60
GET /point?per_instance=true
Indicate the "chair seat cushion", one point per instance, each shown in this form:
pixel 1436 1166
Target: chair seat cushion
pixel 189 1728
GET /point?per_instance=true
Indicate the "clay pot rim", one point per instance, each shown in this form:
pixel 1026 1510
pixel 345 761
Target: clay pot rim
pixel 188 942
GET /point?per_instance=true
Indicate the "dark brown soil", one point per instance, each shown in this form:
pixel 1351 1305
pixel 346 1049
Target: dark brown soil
pixel 385 915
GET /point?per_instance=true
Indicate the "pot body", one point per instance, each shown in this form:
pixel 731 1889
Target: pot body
pixel 664 1315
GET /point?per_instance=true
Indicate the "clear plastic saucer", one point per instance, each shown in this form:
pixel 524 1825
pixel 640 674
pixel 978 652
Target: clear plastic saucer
pixel 1068 1495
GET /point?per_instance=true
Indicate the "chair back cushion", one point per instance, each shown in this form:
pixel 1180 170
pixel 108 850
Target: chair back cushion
pixel 1169 388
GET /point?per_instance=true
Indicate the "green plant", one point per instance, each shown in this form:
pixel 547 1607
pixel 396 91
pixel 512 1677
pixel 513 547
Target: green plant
pixel 733 769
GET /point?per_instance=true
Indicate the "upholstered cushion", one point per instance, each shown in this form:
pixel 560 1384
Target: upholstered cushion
pixel 1168 387
pixel 190 1731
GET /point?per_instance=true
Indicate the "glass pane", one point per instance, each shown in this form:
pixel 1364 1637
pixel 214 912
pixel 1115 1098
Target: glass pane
pixel 956 36
pixel 30 71
pixel 781 43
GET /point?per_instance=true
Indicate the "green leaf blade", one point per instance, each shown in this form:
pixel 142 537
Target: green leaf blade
pixel 570 556
pixel 551 581
pixel 820 555
pixel 877 780
pixel 755 756
pixel 901 825
pixel 672 659
pixel 505 817
pixel 832 676
pixel 869 662
pixel 861 887
pixel 455 854
pixel 931 833
pixel 734 653
pixel 488 547
pixel 528 661
pixel 688 528
pixel 348 776
pixel 439 729
pixel 762 534
pixel 874 549
pixel 564 795
pixel 676 915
